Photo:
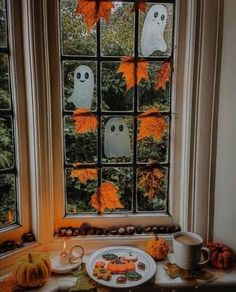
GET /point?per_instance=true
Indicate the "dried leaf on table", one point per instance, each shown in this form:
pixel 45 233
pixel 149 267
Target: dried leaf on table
pixel 8 284
pixel 92 11
pixel 164 74
pixel 85 120
pixel 84 174
pixel 133 70
pixel 106 197
pixel 152 124
pixel 139 5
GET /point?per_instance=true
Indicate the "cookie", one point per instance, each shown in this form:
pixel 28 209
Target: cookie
pixel 109 256
pixel 121 267
pixel 121 280
pixel 101 273
pixel 141 266
pixel 131 257
pixel 99 264
pixel 133 276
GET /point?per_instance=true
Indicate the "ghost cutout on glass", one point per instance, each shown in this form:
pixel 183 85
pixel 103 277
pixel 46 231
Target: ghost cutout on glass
pixel 83 87
pixel 116 139
pixel 152 37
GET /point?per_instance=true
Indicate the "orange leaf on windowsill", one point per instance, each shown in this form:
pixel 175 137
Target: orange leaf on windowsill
pixel 152 124
pixel 8 284
pixel 84 174
pixel 139 5
pixel 106 197
pixel 133 70
pixel 92 11
pixel 85 121
pixel 164 74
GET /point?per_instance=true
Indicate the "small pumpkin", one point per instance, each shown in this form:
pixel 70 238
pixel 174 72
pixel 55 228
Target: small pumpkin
pixel 32 270
pixel 222 256
pixel 157 248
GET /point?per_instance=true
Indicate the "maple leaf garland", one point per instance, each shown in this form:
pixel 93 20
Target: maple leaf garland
pixel 106 197
pixel 93 10
pixel 85 121
pixel 139 5
pixel 133 70
pixel 152 124
pixel 164 74
pixel 84 174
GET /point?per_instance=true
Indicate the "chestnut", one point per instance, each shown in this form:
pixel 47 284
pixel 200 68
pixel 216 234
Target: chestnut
pixel 19 243
pixel 76 231
pixel 147 229
pixel 139 229
pixel 121 231
pixel 130 230
pixel 62 231
pixel 9 245
pixel 69 231
pixel 28 237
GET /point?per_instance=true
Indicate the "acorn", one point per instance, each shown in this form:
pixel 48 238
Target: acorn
pixel 114 231
pixel 147 229
pixel 139 229
pixel 162 229
pixel 9 245
pixel 62 231
pixel 84 228
pixel 121 231
pixel 19 243
pixel 28 237
pixel 76 231
pixel 92 231
pixel 99 231
pixel 155 229
pixel 69 231
pixel 2 249
pixel 130 230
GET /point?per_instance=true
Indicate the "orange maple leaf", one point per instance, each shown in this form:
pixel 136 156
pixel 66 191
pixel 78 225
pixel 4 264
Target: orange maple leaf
pixel 139 5
pixel 85 120
pixel 93 10
pixel 133 70
pixel 164 74
pixel 106 197
pixel 8 284
pixel 84 174
pixel 152 124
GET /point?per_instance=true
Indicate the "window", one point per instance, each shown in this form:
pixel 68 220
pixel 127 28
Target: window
pixel 114 151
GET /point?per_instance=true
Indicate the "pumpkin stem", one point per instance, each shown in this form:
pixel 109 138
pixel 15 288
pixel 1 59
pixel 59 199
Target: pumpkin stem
pixel 30 258
pixel 156 237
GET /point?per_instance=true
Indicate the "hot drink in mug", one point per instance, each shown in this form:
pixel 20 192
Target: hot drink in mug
pixel 188 249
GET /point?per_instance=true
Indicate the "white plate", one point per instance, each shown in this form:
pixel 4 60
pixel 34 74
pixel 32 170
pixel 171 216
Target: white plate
pixel 59 268
pixel 148 273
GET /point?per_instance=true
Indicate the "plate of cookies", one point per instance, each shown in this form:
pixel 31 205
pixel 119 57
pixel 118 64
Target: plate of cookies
pixel 120 266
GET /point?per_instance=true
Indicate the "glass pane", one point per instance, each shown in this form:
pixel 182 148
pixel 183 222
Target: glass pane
pixel 156 30
pixel 5 100
pixel 117 35
pixel 148 96
pixel 115 96
pixel 152 189
pixel 76 40
pixel 6 143
pixel 122 178
pixel 79 147
pixel 8 199
pixel 117 139
pixel 148 149
pixel 3 24
pixel 80 85
pixel 79 193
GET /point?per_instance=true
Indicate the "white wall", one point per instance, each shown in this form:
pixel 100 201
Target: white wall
pixel 225 191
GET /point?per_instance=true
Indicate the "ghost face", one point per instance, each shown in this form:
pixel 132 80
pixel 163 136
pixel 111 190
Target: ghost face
pixel 83 87
pixel 152 37
pixel 116 139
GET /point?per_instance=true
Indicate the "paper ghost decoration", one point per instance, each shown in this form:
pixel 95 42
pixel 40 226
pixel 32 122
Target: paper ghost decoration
pixel 83 87
pixel 116 140
pixel 152 37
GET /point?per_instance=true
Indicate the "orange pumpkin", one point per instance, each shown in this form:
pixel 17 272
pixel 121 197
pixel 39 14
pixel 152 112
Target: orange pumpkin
pixel 222 257
pixel 32 270
pixel 157 248
pixel 121 267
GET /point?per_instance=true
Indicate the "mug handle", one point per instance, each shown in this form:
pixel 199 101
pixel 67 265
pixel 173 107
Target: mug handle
pixel 207 250
pixel 73 259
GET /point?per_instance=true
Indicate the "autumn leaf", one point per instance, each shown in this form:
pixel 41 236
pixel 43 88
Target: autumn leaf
pixel 164 74
pixel 92 11
pixel 151 182
pixel 133 70
pixel 85 120
pixel 139 5
pixel 84 174
pixel 106 197
pixel 152 124
pixel 8 284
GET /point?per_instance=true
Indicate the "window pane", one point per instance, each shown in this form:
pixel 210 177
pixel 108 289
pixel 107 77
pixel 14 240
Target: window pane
pixel 117 139
pixel 3 24
pixel 76 40
pixel 148 96
pixel 117 35
pixel 152 189
pixel 6 143
pixel 79 192
pixel 122 178
pixel 79 147
pixel 80 85
pixel 5 100
pixel 115 96
pixel 8 199
pixel 156 30
pixel 148 149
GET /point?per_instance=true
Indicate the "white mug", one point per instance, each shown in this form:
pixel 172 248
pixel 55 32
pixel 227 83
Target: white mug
pixel 188 250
